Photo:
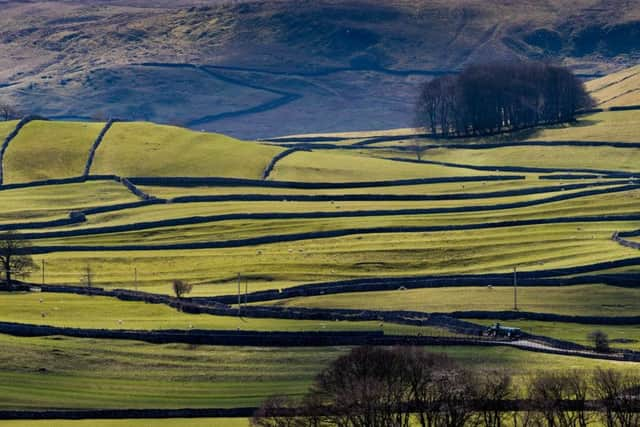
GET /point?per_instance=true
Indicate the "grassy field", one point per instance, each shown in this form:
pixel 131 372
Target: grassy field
pixel 6 128
pixel 619 126
pixel 56 201
pixel 616 89
pixel 146 149
pixel 77 311
pixel 199 209
pixel 608 204
pixel 282 264
pixel 72 373
pixel 602 158
pixel 347 166
pixel 587 300
pixel 61 372
pixel 44 150
pixel 531 181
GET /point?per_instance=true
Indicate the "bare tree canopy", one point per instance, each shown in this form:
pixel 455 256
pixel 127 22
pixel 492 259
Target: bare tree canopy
pixel 490 98
pixel 13 257
pixel 404 386
pixel 8 111
pixel 181 288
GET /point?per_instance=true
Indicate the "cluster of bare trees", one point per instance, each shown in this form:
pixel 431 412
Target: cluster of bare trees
pixel 402 387
pixel 8 111
pixel 497 97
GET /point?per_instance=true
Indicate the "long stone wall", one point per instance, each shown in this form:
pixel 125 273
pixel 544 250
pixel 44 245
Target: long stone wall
pixel 620 238
pixel 96 144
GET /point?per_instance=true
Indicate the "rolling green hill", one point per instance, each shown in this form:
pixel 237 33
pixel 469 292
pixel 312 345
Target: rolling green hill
pixel 45 150
pixel 617 89
pixel 323 215
pixel 145 149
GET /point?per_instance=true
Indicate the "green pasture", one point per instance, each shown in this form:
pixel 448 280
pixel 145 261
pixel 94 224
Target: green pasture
pixel 531 181
pixel 613 126
pixel 347 166
pixel 562 157
pixel 6 128
pixel 57 201
pixel 146 149
pixel 604 204
pixel 93 312
pixel 193 209
pixel 60 372
pixel 46 150
pixel 618 126
pixel 279 265
pixel 616 89
pixel 583 300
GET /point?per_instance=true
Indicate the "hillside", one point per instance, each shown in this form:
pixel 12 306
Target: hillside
pixel 287 62
pixel 46 150
pixel 356 224
pixel 617 89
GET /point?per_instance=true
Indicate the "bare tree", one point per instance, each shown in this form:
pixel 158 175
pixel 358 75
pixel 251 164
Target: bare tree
pixel 8 112
pixel 600 341
pixel 366 388
pixel 494 389
pixel 181 288
pixel 277 411
pixel 619 397
pixel 14 257
pixel 552 392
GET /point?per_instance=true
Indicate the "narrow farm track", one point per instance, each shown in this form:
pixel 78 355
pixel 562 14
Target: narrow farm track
pixel 297 339
pixel 301 215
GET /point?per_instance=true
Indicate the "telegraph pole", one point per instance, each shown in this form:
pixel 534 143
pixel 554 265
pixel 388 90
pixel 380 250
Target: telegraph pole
pixel 42 271
pixel 239 297
pixel 246 291
pixel 135 278
pixel 515 288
